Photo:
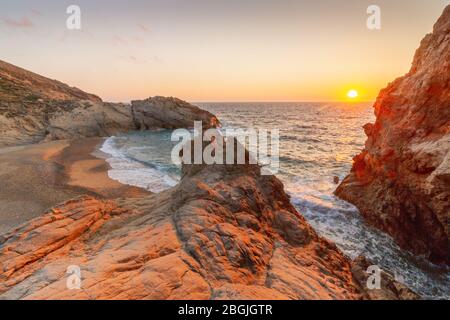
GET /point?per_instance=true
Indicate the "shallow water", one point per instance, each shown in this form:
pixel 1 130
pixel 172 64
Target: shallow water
pixel 317 143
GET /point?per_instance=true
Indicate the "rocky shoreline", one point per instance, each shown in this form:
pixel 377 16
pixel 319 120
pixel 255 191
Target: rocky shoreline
pixel 225 231
pixel 400 181
pixel 34 109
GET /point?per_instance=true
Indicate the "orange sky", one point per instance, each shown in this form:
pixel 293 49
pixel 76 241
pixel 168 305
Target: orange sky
pixel 231 50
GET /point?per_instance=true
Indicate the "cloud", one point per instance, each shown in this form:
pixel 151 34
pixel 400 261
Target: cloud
pixel 137 60
pixel 132 59
pixel 143 27
pixel 137 39
pixel 69 34
pixel 36 12
pixel 158 60
pixel 118 40
pixel 127 40
pixel 25 23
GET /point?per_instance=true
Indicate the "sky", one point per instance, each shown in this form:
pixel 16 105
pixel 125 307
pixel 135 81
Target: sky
pixel 218 50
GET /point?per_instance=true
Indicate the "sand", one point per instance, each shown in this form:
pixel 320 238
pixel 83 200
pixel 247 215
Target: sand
pixel 37 177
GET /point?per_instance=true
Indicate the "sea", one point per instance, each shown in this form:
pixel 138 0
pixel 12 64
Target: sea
pixel 317 143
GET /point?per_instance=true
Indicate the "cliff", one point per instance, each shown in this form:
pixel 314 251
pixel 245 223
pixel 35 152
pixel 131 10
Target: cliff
pixel 35 109
pixel 401 180
pixel 225 232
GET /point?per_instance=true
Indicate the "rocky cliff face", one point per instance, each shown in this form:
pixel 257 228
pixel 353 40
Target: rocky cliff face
pixel 225 232
pixel 401 180
pixel 34 108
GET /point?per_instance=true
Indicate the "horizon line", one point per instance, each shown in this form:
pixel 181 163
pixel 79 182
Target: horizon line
pixel 278 101
pixel 251 101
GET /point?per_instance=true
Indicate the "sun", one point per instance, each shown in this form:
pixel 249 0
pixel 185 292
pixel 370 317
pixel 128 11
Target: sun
pixel 352 94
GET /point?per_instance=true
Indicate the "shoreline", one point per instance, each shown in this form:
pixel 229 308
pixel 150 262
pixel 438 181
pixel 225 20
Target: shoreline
pixel 85 170
pixel 40 176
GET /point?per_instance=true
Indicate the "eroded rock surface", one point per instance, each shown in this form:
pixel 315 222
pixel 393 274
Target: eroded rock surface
pixel 225 232
pixel 34 108
pixel 401 180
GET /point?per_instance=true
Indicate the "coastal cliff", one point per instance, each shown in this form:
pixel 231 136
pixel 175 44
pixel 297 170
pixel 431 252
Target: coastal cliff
pixel 400 182
pixel 35 109
pixel 224 232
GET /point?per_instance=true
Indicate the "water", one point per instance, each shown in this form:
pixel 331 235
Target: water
pixel 317 143
pixel 142 159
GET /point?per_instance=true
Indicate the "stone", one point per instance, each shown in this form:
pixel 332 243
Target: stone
pixel 400 181
pixel 35 109
pixel 224 232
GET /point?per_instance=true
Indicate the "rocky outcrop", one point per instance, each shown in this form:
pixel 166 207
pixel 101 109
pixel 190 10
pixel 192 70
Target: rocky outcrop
pixel 169 113
pixel 225 232
pixel 34 109
pixel 401 180
pixel 390 288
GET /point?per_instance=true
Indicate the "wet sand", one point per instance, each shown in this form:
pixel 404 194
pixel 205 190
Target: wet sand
pixel 37 177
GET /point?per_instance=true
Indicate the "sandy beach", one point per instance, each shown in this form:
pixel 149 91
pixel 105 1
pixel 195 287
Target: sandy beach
pixel 37 177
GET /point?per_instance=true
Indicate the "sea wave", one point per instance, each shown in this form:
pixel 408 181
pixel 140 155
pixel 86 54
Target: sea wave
pixel 341 223
pixel 129 171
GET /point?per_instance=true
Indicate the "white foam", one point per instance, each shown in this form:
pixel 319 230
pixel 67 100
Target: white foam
pixel 134 173
pixel 341 223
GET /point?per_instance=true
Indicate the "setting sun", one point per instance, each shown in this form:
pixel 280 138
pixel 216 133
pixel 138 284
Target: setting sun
pixel 352 94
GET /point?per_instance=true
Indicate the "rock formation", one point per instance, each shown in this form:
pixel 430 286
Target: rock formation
pixel 401 180
pixel 34 109
pixel 390 289
pixel 225 232
pixel 169 113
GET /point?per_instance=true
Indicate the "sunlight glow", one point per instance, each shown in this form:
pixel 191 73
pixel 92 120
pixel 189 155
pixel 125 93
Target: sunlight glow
pixel 352 94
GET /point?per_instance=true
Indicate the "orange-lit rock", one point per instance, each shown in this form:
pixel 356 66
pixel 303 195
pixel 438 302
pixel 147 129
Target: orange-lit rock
pixel 401 180
pixel 225 232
